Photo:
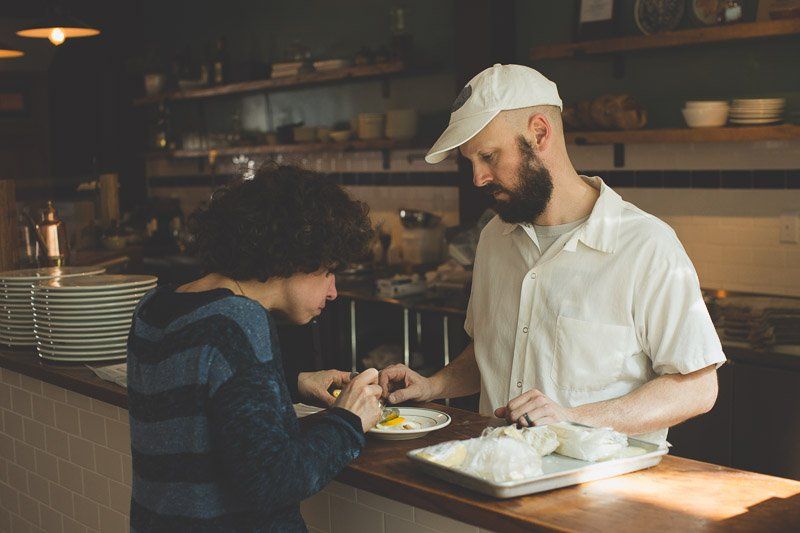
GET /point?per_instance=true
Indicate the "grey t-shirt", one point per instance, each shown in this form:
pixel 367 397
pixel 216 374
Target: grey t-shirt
pixel 547 235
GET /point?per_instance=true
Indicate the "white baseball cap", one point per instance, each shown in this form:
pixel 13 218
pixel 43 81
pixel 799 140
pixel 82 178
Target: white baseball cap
pixel 496 89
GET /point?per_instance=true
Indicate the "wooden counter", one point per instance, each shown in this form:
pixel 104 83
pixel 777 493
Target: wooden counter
pixel 677 495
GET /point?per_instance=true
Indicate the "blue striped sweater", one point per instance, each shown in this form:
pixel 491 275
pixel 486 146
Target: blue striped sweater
pixel 215 441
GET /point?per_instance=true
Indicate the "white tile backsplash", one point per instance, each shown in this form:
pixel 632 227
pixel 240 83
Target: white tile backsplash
pixel 730 235
pixel 442 523
pixel 351 517
pixel 52 476
pixel 316 511
pixel 385 505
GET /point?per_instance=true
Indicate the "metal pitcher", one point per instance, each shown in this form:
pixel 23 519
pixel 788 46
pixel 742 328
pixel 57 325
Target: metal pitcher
pixel 51 235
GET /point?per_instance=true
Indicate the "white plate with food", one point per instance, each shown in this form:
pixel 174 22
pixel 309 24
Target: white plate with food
pixel 412 423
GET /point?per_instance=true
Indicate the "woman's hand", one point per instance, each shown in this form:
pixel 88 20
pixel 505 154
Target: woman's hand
pixel 362 397
pixel 314 385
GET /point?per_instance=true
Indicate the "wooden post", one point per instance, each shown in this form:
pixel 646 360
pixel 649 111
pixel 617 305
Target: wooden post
pixel 9 232
pixel 109 199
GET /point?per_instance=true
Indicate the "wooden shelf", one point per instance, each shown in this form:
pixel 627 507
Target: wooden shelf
pixel 299 148
pixel 713 34
pixel 302 80
pixel 686 135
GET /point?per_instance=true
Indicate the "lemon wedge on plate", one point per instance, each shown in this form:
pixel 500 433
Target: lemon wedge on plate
pixel 393 422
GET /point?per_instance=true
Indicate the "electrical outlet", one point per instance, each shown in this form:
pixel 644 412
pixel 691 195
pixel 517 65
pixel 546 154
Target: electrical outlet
pixel 790 220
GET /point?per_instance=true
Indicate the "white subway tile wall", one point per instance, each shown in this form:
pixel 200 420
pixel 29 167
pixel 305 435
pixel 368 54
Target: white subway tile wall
pixel 61 460
pixel 732 236
pixel 340 508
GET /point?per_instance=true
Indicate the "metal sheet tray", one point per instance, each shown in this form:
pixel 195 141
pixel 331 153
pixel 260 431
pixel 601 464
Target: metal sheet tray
pixel 559 471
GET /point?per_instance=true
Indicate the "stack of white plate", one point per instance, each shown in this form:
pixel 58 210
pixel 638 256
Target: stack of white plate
pixel 16 313
pixel 757 111
pixel 86 318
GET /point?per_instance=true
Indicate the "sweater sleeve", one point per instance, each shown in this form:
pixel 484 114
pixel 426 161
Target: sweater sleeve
pixel 268 459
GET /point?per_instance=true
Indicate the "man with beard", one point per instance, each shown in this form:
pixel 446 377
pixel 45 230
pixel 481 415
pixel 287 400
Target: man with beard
pixel 583 307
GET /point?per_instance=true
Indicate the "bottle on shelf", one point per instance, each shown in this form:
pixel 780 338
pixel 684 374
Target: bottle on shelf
pixel 220 62
pixel 162 135
pixel 401 44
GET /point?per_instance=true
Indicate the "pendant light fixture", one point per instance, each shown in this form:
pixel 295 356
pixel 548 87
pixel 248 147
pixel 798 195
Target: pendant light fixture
pixel 7 51
pixel 57 26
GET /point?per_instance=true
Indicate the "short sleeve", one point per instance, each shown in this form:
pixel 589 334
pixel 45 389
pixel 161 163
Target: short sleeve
pixel 672 320
pixel 468 321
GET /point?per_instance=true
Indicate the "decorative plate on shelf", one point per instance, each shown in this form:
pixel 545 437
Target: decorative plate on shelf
pixel 706 12
pixel 656 16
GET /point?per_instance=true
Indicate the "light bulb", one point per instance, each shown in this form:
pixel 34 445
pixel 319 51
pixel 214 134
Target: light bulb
pixel 56 36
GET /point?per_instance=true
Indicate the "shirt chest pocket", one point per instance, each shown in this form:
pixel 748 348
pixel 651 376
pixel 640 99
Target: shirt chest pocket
pixel 590 356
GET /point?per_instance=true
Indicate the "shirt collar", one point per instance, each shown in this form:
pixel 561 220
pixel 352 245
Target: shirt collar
pixel 601 230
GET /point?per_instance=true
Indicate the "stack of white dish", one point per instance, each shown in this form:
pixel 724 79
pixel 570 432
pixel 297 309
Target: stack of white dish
pixel 706 114
pixel 16 313
pixel 86 318
pixel 757 111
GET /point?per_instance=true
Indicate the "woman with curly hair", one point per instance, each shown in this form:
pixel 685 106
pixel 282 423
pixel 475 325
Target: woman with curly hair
pixel 215 442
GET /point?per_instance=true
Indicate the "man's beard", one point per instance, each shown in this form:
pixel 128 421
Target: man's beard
pixel 529 198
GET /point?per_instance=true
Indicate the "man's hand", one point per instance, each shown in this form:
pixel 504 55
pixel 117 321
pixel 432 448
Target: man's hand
pixel 401 384
pixel 540 409
pixel 314 385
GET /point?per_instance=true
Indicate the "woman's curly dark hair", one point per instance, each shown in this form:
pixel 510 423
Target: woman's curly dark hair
pixel 283 221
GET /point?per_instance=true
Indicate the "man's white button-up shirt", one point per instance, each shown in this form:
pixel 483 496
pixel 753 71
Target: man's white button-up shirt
pixel 612 306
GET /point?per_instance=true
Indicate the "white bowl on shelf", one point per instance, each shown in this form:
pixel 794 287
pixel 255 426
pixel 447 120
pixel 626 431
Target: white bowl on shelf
pixel 705 117
pixel 705 104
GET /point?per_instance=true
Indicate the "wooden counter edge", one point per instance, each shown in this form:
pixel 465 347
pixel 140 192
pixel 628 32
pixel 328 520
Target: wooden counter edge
pixel 74 377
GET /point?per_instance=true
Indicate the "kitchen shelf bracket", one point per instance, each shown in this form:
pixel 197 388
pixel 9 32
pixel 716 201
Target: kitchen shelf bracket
pixel 619 155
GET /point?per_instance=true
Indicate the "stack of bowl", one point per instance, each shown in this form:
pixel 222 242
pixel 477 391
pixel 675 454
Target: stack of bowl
pixel 371 125
pixel 706 114
pixel 757 111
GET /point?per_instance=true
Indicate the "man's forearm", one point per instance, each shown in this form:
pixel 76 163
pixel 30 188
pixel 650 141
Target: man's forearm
pixel 460 378
pixel 661 403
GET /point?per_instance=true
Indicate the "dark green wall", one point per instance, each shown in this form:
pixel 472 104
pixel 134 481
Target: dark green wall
pixel 329 28
pixel 662 79
pixel 264 30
